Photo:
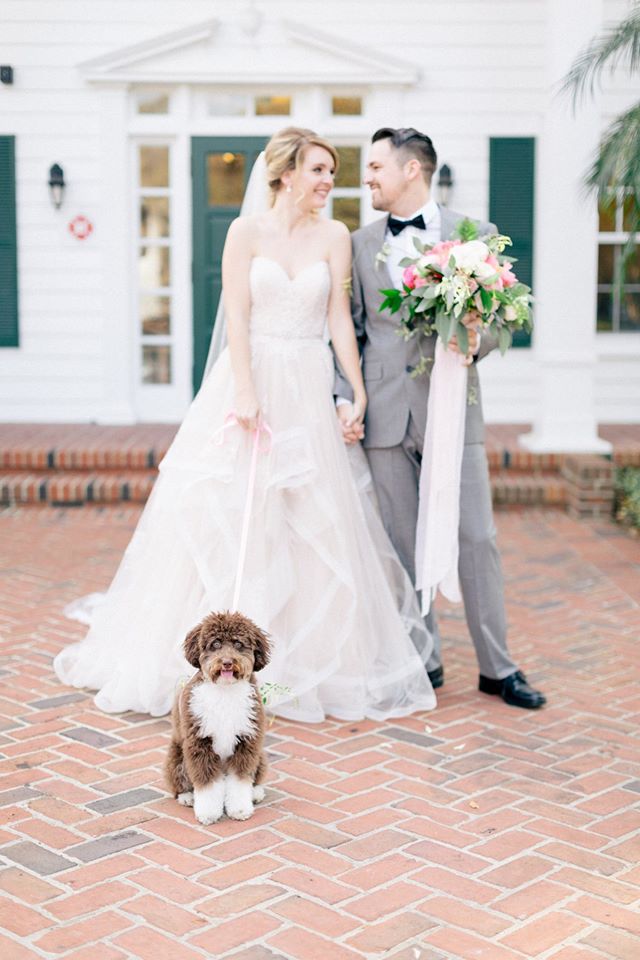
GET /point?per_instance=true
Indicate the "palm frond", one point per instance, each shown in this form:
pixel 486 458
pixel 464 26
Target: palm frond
pixel 618 165
pixel 618 160
pixel 617 46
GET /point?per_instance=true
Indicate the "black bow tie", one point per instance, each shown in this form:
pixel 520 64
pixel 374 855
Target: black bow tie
pixel 397 226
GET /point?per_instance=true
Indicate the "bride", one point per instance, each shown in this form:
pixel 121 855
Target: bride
pixel 320 574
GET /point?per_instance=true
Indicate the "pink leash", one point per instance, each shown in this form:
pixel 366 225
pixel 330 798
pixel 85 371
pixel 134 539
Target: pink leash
pixel 262 428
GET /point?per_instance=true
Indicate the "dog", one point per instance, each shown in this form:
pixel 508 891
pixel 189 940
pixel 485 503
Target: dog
pixel 216 761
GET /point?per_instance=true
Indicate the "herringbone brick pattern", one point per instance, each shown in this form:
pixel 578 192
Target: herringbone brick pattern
pixel 475 831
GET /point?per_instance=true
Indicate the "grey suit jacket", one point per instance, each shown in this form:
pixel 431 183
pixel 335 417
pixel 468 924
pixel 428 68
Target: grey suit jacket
pixel 388 360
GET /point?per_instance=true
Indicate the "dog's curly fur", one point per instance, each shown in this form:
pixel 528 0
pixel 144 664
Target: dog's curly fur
pixel 216 757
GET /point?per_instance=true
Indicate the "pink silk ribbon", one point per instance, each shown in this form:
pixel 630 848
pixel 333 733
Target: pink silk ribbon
pixel 437 538
pixel 261 430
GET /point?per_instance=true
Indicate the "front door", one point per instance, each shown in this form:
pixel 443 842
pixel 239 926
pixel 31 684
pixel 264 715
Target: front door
pixel 220 169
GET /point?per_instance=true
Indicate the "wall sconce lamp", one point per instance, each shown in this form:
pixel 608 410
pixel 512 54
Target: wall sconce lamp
pixel 445 183
pixel 56 185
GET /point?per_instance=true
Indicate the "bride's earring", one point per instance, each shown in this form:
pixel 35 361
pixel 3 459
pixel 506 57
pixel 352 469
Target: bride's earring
pixel 289 188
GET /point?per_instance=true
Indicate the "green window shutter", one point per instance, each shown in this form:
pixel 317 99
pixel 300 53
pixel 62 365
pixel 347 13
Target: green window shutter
pixel 511 184
pixel 8 245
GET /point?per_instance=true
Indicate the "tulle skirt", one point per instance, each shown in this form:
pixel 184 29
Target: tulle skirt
pixel 321 576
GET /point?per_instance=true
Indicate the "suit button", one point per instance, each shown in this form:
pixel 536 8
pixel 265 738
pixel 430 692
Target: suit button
pixel 409 369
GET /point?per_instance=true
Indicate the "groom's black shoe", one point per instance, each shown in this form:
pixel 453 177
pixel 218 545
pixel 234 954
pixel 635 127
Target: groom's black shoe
pixel 514 690
pixel 436 677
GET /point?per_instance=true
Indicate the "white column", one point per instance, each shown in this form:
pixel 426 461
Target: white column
pixel 115 230
pixel 565 258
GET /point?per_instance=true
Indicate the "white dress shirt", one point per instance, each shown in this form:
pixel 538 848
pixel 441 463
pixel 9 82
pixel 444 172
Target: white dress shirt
pixel 402 245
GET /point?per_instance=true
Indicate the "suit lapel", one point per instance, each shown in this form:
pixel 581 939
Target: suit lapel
pixel 448 222
pixel 374 243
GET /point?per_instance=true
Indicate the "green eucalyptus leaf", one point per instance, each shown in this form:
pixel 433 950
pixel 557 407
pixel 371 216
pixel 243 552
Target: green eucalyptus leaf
pixel 487 299
pixel 463 337
pixel 504 339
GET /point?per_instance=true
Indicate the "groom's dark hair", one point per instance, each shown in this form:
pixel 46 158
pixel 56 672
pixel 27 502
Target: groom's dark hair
pixel 411 144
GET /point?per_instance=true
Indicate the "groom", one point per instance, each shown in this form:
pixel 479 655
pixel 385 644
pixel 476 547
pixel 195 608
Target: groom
pixel 400 167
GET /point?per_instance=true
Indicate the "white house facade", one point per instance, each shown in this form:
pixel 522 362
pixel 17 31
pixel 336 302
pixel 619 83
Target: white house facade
pixel 141 119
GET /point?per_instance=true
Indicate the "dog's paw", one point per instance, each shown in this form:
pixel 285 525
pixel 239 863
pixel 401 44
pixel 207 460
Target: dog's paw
pixel 240 812
pixel 238 800
pixel 185 799
pixel 258 794
pixel 207 817
pixel 208 802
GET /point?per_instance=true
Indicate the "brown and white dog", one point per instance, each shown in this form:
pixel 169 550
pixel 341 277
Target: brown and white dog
pixel 216 761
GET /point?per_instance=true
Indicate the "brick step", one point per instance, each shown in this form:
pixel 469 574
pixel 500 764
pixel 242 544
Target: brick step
pixel 77 459
pixel 104 459
pixel 75 489
pixel 69 488
pixel 528 490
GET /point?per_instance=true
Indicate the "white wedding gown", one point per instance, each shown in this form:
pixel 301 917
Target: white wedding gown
pixel 320 576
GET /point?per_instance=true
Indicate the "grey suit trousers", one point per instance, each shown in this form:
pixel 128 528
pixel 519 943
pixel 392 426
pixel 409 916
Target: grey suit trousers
pixel 396 472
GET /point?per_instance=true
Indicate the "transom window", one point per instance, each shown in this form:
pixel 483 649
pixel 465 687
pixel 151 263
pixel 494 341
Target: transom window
pixel 346 106
pixel 618 307
pixel 152 101
pixel 221 103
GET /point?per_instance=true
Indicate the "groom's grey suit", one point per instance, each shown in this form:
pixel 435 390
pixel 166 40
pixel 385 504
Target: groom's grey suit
pixel 394 435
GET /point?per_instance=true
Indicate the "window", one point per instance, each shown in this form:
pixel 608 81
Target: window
pixel 152 101
pixel 221 104
pixel 346 202
pixel 346 106
pixel 154 264
pixel 618 306
pixel 272 106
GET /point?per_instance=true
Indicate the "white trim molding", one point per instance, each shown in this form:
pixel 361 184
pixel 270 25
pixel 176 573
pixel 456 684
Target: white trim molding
pixel 305 56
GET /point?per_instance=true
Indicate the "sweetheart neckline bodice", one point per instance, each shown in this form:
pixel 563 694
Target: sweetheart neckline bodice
pixel 284 272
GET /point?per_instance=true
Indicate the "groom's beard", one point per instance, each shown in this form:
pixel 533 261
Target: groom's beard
pixel 379 203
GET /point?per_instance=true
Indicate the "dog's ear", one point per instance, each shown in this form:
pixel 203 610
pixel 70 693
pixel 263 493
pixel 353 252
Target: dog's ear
pixel 261 648
pixel 191 645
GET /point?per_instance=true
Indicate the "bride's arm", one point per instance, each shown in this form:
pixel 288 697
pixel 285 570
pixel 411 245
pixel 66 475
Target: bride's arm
pixel 341 329
pixel 236 263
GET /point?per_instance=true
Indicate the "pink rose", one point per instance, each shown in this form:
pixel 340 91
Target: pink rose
pixel 508 276
pixel 409 276
pixel 421 282
pixel 442 251
pixel 492 262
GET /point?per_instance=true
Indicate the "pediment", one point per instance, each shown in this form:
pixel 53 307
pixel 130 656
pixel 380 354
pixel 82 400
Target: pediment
pixel 249 49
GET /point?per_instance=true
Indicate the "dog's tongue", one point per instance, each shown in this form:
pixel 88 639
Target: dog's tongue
pixel 226 674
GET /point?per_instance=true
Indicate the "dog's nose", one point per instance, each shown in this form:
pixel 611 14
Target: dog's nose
pixel 227 664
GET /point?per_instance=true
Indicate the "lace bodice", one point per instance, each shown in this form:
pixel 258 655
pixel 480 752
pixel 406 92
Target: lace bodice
pixel 285 307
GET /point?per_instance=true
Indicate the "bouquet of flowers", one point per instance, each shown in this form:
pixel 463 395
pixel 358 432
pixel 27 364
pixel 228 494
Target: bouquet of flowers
pixel 453 278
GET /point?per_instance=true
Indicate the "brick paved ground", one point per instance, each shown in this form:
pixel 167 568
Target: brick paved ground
pixel 475 831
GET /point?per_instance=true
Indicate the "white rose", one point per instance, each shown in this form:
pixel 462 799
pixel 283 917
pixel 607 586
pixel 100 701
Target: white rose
pixel 510 313
pixel 468 256
pixel 483 271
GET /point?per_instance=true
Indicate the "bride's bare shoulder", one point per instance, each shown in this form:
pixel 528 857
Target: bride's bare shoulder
pixel 336 228
pixel 244 226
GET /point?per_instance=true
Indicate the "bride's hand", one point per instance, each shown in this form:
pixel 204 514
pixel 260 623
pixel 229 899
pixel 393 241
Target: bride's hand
pixel 357 410
pixel 247 409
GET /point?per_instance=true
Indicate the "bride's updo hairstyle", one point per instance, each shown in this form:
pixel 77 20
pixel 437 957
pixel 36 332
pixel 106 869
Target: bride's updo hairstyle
pixel 286 151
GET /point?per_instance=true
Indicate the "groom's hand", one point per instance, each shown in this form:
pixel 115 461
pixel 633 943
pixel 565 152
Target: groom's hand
pixel 352 432
pixel 472 322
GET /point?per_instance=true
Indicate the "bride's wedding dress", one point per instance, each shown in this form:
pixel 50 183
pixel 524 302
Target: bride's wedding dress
pixel 320 575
